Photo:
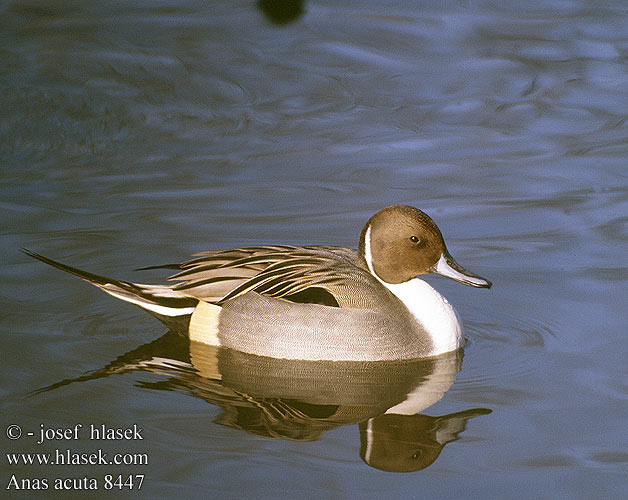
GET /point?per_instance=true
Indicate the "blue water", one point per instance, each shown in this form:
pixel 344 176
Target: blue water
pixel 137 133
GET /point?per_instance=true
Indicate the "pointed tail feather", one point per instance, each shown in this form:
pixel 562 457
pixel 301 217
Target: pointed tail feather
pixel 157 299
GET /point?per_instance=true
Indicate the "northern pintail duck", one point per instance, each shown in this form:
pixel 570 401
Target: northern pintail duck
pixel 314 302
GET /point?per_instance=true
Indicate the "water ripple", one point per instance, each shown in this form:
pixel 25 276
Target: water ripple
pixel 509 347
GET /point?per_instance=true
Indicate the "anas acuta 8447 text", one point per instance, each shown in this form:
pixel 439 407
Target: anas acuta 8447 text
pixel 314 302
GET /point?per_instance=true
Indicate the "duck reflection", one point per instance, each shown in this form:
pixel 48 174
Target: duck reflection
pixel 300 400
pixel 407 443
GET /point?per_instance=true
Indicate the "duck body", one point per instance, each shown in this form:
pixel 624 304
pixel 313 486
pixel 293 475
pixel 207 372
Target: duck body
pixel 369 323
pixel 314 302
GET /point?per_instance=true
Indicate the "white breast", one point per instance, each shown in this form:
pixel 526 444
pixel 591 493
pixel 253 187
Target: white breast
pixel 432 311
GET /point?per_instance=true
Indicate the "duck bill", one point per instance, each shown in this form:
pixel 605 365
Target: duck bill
pixel 448 267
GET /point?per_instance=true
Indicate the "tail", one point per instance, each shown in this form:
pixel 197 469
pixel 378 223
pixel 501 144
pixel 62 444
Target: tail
pixel 159 300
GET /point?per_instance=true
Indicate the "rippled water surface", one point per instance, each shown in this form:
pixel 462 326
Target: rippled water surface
pixel 136 133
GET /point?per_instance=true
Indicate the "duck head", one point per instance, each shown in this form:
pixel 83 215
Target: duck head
pixel 400 242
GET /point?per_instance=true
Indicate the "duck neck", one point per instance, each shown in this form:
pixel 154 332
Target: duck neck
pixel 432 311
pixel 429 308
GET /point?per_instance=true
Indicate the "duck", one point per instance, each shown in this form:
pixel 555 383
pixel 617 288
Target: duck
pixel 312 302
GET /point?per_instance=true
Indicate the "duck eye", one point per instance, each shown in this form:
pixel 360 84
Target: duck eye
pixel 414 239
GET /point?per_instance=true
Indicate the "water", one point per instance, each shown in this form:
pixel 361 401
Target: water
pixel 136 133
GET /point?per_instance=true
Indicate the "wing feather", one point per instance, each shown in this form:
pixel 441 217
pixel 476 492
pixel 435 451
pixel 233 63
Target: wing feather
pixel 276 271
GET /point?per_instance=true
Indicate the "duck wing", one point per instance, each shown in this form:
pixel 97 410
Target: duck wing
pixel 302 274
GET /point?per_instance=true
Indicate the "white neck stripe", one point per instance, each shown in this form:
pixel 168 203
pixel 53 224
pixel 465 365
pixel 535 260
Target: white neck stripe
pixel 367 252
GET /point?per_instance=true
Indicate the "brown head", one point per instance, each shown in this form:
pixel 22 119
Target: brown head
pixel 400 242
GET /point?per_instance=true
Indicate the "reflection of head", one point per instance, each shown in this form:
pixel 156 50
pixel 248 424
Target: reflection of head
pixel 281 11
pixel 399 443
